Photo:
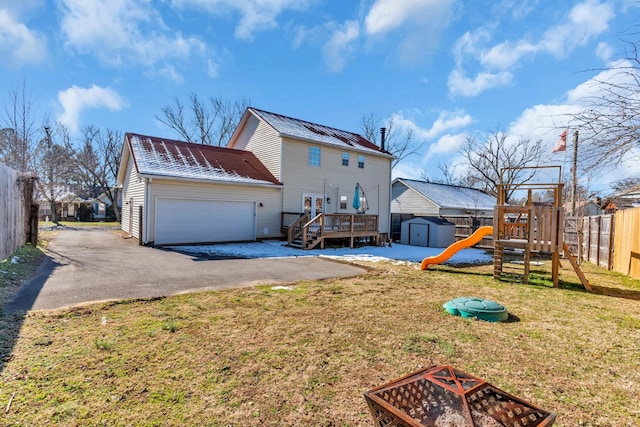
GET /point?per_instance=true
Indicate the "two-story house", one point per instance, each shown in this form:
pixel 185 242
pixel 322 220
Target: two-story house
pixel 276 174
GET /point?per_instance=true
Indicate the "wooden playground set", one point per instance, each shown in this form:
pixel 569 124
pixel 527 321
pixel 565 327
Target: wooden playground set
pixel 523 230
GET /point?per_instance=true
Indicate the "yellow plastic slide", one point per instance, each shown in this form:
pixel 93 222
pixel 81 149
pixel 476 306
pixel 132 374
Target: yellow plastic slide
pixel 478 235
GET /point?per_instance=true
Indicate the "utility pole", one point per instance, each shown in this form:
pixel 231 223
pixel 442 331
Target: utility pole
pixel 575 173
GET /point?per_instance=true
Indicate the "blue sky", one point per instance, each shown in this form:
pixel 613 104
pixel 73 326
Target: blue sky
pixel 445 68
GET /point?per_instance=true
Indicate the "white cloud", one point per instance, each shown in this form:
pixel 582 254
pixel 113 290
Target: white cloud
pixel 505 55
pixel 77 99
pixel 447 120
pixel 604 51
pixel 585 21
pixel 417 24
pixel 19 44
pixel 170 72
pixel 470 44
pixel 339 45
pixel 446 144
pixel 407 169
pixel 124 31
pixel 615 75
pixel 255 15
pixel 546 122
pixel 459 84
pixel 387 15
pixel 213 68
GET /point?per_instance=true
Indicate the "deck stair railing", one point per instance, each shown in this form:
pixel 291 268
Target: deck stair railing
pixel 308 233
pixel 295 230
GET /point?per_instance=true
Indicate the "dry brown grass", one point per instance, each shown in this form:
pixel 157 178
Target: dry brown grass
pixel 304 356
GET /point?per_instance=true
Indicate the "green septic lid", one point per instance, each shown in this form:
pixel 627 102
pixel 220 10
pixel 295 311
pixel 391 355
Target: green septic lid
pixel 476 307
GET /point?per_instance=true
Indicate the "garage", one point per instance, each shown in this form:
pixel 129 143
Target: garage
pixel 180 221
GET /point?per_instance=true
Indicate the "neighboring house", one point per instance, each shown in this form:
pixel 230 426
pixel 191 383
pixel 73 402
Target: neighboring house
pixel 629 198
pixel 413 198
pixel 318 166
pixel 275 170
pixel 584 208
pixel 101 206
pixel 175 192
pixel 68 204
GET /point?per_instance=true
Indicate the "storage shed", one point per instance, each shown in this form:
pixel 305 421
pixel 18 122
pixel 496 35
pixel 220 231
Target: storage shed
pixel 432 232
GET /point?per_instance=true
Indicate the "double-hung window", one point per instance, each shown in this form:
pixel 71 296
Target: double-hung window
pixel 343 202
pixel 361 161
pixel 314 156
pixel 345 159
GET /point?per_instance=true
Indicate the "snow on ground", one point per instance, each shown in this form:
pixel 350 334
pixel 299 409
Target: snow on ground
pixel 278 249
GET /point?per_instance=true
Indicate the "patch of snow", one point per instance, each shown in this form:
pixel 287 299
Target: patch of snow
pixel 15 260
pixel 281 288
pixel 183 163
pixel 396 253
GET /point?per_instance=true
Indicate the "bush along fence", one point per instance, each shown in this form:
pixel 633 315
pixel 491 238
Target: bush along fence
pixel 18 212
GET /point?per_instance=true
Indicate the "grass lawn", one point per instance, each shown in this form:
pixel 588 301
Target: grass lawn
pixel 304 356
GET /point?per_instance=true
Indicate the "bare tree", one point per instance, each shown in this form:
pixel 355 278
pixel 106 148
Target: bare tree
pixel 448 175
pixel 486 159
pixel 55 167
pixel 610 123
pixel 400 142
pixel 625 184
pixel 209 122
pixel 17 130
pixel 97 164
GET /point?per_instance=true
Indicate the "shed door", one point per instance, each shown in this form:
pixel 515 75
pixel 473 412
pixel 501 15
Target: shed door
pixel 203 221
pixel 419 234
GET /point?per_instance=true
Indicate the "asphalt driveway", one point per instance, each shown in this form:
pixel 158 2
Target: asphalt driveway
pixel 88 265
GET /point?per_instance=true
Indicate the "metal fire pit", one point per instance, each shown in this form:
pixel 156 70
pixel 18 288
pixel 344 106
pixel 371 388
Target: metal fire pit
pixel 444 396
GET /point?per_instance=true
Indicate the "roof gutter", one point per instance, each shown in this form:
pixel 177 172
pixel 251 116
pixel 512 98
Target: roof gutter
pixel 209 181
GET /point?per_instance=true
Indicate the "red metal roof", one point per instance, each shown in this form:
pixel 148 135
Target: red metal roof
pixel 179 159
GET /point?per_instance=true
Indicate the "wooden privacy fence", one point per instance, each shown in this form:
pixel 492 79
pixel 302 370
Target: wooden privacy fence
pixel 626 244
pixel 18 216
pixel 12 233
pixel 467 224
pixel 592 238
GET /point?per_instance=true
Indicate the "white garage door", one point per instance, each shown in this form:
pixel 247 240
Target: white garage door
pixel 203 221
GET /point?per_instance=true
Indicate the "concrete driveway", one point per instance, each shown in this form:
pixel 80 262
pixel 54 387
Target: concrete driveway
pixel 87 265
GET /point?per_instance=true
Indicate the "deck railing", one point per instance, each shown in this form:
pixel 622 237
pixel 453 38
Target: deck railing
pixel 313 231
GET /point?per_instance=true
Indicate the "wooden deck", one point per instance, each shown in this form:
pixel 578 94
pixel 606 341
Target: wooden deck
pixel 307 233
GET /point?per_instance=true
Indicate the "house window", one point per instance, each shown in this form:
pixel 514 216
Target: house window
pixel 314 156
pixel 343 202
pixel 345 159
pixel 361 161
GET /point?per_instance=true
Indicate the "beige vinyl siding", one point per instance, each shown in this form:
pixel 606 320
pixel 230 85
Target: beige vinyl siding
pixel 268 216
pixel 332 179
pixel 261 139
pixel 408 201
pixel 133 192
